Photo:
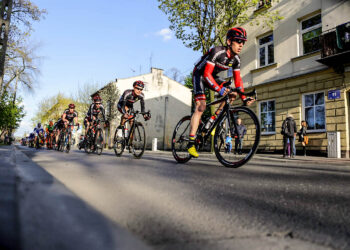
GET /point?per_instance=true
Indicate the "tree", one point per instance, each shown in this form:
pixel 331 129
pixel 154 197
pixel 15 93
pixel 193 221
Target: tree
pixel 110 96
pixel 20 61
pixel 51 108
pixel 201 24
pixel 82 97
pixel 11 113
pixel 174 74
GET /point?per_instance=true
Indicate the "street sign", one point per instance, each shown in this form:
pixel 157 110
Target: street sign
pixel 333 94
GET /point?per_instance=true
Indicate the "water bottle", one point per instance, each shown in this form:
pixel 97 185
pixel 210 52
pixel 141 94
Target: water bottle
pixel 210 122
pixel 126 132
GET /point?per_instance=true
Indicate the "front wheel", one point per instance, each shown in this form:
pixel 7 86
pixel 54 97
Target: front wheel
pixel 243 135
pixel 138 140
pixel 99 141
pixel 119 141
pixel 180 140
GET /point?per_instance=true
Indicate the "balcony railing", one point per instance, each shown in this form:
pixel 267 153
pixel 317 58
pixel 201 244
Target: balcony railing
pixel 335 46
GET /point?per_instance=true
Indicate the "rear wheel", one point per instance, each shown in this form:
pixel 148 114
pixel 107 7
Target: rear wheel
pixel 99 141
pixel 119 141
pixel 138 140
pixel 88 144
pixel 180 140
pixel 243 148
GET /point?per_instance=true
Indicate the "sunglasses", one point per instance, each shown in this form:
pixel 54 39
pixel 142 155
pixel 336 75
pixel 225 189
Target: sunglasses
pixel 239 41
pixel 97 103
pixel 139 89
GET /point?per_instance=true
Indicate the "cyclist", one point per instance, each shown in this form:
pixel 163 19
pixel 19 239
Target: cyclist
pixel 57 127
pixel 70 116
pixel 127 100
pixel 38 131
pixel 95 109
pixel 218 59
pixel 49 133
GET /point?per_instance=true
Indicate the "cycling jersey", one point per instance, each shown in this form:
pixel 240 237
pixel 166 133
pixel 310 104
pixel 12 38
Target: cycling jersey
pixel 59 124
pixel 70 116
pixel 94 111
pixel 38 130
pixel 128 99
pixel 218 59
pixel 49 128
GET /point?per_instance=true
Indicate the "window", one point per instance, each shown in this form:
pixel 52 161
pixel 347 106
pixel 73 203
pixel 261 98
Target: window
pixel 311 30
pixel 267 116
pixel 266 56
pixel 314 111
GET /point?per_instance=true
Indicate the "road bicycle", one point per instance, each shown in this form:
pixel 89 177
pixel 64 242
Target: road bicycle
pixel 224 125
pixel 94 138
pixel 65 138
pixel 135 140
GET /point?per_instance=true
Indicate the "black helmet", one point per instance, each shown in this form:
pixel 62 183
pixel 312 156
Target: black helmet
pixel 236 33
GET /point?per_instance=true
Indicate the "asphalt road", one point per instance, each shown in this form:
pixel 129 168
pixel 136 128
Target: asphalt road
pixel 270 203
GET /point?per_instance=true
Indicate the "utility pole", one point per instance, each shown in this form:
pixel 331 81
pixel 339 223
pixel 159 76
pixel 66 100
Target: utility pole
pixel 5 15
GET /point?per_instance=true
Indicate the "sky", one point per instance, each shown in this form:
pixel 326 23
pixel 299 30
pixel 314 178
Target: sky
pixel 89 41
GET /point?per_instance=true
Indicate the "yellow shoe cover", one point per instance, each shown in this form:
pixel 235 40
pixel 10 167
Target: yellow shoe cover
pixel 192 151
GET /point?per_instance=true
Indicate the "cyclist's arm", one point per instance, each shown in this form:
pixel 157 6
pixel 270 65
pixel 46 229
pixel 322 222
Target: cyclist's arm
pixel 238 81
pixel 208 76
pixel 142 102
pixel 103 112
pixel 89 113
pixel 64 117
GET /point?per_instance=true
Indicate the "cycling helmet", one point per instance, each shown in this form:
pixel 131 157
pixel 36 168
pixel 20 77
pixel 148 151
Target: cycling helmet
pixel 236 33
pixel 139 84
pixel 71 106
pixel 39 124
pixel 96 98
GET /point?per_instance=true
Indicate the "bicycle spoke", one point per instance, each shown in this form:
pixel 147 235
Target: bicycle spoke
pixel 180 140
pixel 245 137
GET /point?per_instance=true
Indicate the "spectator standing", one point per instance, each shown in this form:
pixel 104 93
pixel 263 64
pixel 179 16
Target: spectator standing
pixel 302 136
pixel 289 130
pixel 239 136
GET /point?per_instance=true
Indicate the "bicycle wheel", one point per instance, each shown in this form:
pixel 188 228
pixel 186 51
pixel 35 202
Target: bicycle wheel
pixel 119 141
pixel 62 142
pixel 138 140
pixel 242 148
pixel 180 140
pixel 68 139
pixel 99 141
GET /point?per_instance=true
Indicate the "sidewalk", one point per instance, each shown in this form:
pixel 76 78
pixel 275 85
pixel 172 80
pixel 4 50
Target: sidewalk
pixel 39 212
pixel 272 157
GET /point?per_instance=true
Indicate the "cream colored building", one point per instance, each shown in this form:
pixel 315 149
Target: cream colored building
pixel 167 100
pixel 301 67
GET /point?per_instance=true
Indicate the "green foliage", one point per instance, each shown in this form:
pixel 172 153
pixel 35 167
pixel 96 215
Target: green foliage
pixel 51 108
pixel 202 24
pixel 11 113
pixel 110 97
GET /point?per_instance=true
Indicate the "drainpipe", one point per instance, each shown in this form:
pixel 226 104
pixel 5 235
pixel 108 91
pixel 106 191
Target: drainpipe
pixel 165 117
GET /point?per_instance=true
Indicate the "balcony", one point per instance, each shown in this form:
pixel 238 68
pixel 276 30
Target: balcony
pixel 335 47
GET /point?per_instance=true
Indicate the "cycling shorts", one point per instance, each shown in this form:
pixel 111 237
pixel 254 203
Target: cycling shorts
pixel 199 85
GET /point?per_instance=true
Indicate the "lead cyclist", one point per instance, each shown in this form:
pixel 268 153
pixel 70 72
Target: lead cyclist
pixel 218 59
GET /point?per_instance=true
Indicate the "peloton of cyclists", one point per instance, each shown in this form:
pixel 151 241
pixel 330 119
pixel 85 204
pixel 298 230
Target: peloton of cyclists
pixel 218 59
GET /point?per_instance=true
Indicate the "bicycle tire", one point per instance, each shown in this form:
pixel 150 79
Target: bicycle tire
pixel 237 159
pixel 119 141
pixel 138 140
pixel 99 141
pixel 68 143
pixel 180 140
pixel 87 146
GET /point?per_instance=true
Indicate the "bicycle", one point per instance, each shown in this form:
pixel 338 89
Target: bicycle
pixel 135 141
pixel 64 141
pixel 94 138
pixel 225 124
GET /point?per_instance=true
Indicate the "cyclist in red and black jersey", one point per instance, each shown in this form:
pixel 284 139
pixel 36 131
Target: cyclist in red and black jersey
pixel 68 117
pixel 218 59
pixel 95 109
pixel 127 100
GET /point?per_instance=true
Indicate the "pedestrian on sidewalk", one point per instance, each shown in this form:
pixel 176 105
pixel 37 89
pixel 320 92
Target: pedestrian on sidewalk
pixel 289 130
pixel 241 131
pixel 303 138
pixel 228 143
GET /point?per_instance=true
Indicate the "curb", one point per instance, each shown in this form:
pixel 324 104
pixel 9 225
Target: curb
pixel 52 217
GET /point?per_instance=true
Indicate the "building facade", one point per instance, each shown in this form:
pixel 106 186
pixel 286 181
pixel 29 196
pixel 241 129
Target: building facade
pixel 167 100
pixel 301 67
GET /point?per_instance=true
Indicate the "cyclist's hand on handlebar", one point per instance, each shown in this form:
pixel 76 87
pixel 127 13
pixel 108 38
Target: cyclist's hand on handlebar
pixel 224 91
